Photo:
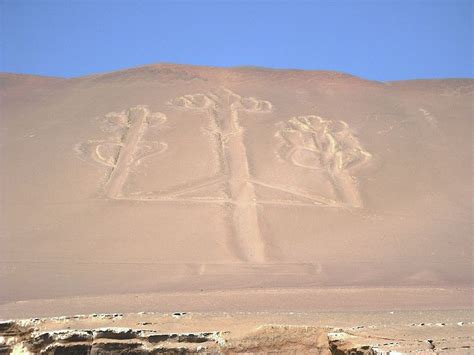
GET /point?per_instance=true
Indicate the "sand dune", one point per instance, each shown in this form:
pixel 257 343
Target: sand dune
pixel 170 178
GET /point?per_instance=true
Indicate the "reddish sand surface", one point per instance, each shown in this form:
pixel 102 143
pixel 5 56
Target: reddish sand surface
pixel 204 189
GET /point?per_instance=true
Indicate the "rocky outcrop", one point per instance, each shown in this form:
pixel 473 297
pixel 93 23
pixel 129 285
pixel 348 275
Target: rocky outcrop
pixel 30 339
pixel 149 333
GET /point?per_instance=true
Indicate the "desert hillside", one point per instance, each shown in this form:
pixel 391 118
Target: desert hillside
pixel 171 178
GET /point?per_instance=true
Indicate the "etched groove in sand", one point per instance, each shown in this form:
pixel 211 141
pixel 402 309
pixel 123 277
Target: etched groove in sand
pixel 316 200
pixel 223 107
pixel 312 142
pixel 430 119
pixel 126 151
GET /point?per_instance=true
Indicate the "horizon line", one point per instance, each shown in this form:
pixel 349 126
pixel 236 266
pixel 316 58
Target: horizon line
pixel 242 66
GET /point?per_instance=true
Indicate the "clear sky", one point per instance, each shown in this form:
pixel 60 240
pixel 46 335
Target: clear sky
pixel 379 39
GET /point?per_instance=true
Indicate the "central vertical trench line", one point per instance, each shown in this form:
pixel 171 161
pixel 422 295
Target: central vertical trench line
pixel 241 191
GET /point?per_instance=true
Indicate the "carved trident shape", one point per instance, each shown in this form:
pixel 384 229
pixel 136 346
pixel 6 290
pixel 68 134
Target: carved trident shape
pixel 223 107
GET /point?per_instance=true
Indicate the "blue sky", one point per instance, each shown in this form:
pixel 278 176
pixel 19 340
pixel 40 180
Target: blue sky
pixel 379 39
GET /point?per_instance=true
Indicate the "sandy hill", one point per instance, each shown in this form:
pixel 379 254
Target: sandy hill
pixel 172 178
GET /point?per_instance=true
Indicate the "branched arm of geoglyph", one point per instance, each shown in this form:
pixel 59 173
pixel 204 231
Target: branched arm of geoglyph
pixel 315 143
pixel 205 101
pixel 249 104
pixel 193 102
pixel 106 152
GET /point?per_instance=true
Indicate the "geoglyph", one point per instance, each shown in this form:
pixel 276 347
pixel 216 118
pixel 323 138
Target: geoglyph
pixel 309 142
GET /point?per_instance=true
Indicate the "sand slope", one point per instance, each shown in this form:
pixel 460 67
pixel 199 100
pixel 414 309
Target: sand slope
pixel 170 178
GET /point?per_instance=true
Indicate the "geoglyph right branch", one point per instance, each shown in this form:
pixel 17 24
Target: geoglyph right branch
pixel 312 142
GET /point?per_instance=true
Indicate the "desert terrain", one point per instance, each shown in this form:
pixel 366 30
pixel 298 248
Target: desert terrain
pixel 242 192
